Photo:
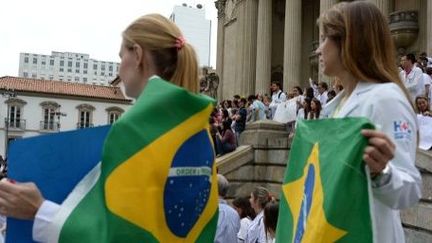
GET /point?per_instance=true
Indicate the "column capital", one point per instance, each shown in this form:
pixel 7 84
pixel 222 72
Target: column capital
pixel 220 6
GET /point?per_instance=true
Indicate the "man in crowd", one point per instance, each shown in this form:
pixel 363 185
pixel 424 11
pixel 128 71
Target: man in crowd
pixel 257 109
pixel 412 76
pixel 278 97
pixel 320 91
pixel 240 119
pixel 229 221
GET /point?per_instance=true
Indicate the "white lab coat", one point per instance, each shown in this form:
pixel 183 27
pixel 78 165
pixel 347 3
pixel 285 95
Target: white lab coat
pixel 256 231
pixel 413 82
pixel 387 107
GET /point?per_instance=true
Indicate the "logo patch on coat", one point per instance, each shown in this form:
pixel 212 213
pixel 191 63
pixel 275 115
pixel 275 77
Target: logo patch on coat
pixel 401 130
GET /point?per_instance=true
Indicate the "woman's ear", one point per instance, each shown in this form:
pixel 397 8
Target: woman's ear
pixel 138 55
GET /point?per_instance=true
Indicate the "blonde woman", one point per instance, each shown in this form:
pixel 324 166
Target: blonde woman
pixel 357 49
pixel 152 46
pixel 256 232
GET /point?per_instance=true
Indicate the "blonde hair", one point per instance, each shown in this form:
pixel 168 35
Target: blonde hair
pixel 363 36
pixel 262 196
pixel 160 36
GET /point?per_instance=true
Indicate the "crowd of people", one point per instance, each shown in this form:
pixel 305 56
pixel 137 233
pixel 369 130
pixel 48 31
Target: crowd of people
pixel 250 219
pixel 236 113
pixel 395 181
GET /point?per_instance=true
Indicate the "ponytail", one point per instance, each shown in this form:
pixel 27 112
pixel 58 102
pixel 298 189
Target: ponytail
pixel 174 59
pixel 186 71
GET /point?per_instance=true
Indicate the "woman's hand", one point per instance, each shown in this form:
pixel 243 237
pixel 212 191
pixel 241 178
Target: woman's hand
pixel 19 200
pixel 379 151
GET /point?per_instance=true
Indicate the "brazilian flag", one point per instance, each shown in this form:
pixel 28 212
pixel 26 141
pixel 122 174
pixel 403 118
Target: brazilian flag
pixel 325 194
pixel 156 180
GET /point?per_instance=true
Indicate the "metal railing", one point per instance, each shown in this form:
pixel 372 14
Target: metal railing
pixel 84 125
pixel 19 124
pixel 49 125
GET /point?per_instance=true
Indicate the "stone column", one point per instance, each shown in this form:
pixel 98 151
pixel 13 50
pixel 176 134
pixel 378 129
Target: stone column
pixel 292 44
pixel 429 28
pixel 324 5
pixel 383 5
pixel 264 46
pixel 220 5
pixel 249 47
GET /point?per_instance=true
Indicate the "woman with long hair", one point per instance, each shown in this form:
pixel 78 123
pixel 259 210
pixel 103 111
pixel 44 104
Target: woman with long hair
pixel 422 106
pixel 260 196
pixel 153 48
pixel 247 214
pixel 271 212
pixel 357 49
pixel 315 109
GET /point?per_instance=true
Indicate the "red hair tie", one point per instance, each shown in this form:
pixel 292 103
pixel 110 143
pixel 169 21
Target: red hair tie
pixel 180 42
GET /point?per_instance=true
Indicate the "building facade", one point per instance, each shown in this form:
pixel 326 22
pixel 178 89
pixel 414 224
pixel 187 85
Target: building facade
pixel 260 41
pixel 67 66
pixel 195 28
pixel 43 106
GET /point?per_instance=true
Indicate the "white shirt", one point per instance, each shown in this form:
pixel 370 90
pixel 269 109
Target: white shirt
pixel 323 98
pixel 385 105
pixel 244 225
pixel 44 217
pixel 277 98
pixel 228 224
pixel 413 82
pixel 256 230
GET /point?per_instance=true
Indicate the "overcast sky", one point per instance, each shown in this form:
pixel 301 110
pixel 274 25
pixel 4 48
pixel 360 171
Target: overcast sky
pixel 86 26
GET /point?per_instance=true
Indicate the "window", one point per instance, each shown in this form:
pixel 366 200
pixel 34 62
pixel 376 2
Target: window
pixel 49 111
pixel 85 65
pixel 77 71
pixel 15 107
pixel 51 77
pixel 34 75
pixel 85 113
pixel 52 62
pixel 43 62
pixel 113 117
pixel 95 66
pixel 103 67
pixel 77 65
pixel 26 59
pixel 85 71
pixel 77 78
pixel 61 69
pixel 69 70
pixel 61 63
pixel 114 113
pixel 102 74
pixel 25 74
pixel 69 63
pixel 84 80
pixel 34 60
pixel 110 74
pixel 110 68
pixel 95 72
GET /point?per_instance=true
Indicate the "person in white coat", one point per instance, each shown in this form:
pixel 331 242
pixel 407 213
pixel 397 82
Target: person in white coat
pixel 412 76
pixel 256 232
pixel 278 97
pixel 372 89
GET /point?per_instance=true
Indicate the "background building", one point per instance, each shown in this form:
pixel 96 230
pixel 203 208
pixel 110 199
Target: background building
pixel 196 29
pixel 260 41
pixel 44 106
pixel 67 66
